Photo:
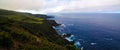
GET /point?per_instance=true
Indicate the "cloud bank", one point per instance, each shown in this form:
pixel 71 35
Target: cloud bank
pixel 84 5
pixel 56 6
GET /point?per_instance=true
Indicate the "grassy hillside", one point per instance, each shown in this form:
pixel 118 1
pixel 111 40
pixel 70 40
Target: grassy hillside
pixel 22 31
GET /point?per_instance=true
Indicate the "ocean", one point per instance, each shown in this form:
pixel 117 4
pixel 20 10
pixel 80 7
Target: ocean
pixel 91 31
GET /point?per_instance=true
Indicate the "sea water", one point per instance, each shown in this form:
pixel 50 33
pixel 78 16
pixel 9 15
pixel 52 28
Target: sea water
pixel 91 31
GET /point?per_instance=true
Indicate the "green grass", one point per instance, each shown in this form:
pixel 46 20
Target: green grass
pixel 22 31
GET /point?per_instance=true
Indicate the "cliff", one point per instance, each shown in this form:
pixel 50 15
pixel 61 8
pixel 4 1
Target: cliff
pixel 23 31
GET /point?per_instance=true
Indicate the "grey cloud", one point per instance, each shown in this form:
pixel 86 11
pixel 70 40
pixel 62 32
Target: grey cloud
pixel 21 4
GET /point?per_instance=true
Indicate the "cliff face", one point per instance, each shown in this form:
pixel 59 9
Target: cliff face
pixel 22 31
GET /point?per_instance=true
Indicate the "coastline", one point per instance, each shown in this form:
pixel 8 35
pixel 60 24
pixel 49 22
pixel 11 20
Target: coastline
pixel 68 36
pixel 25 31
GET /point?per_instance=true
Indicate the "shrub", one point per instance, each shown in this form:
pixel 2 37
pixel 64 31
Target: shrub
pixel 71 47
pixel 6 40
pixel 30 47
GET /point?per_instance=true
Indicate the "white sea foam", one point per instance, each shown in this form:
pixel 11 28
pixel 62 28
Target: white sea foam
pixel 71 38
pixel 63 25
pixel 93 43
pixel 82 48
pixel 77 44
pixel 54 27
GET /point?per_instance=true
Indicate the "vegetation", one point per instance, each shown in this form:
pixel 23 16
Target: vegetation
pixel 23 31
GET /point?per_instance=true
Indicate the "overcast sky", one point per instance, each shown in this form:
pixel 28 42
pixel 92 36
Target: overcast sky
pixel 56 6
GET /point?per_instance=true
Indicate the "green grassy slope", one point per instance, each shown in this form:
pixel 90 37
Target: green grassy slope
pixel 22 31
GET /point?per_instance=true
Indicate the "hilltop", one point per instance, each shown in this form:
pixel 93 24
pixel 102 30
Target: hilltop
pixel 23 31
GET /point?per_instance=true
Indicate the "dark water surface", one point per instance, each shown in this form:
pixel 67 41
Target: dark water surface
pixel 93 31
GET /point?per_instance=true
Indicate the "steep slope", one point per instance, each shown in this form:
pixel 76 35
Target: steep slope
pixel 23 31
